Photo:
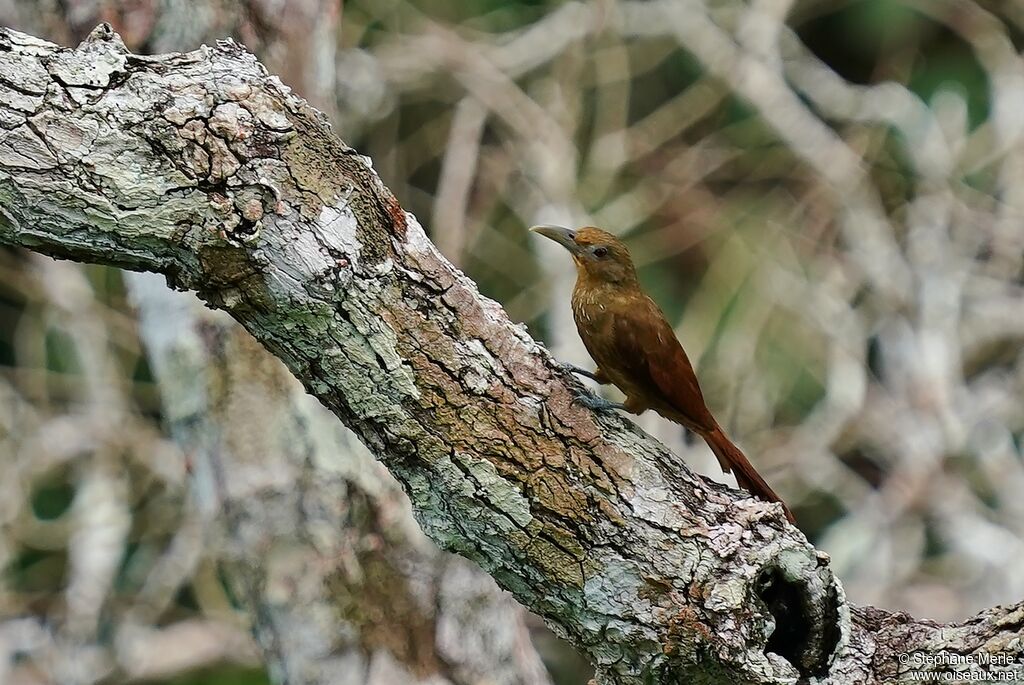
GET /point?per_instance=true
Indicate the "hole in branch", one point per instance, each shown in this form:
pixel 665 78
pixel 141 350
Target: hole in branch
pixel 806 627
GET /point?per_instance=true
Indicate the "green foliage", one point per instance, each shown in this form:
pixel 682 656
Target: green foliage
pixel 37 572
pixel 486 15
pixel 877 40
pixel 224 675
pixel 50 500
pixel 61 354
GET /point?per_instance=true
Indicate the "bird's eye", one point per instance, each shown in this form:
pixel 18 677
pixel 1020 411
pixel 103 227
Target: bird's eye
pixel 600 252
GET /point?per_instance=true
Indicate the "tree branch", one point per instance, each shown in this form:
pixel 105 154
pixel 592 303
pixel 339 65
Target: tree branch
pixel 204 168
pixel 316 539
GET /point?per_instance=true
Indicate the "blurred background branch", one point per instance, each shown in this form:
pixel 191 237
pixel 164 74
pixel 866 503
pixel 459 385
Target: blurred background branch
pixel 825 196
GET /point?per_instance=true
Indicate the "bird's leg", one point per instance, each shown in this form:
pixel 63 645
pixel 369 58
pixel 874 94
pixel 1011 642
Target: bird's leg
pixel 596 375
pixel 597 403
pixel 588 399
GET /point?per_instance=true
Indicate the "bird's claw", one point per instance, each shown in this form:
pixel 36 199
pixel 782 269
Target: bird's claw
pixel 596 403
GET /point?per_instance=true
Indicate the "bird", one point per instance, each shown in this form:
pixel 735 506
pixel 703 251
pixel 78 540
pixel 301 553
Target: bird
pixel 636 349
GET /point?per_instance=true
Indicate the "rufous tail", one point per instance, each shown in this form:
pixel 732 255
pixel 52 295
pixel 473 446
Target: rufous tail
pixel 732 459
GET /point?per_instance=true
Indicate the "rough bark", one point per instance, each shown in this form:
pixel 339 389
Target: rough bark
pixel 315 537
pixel 204 168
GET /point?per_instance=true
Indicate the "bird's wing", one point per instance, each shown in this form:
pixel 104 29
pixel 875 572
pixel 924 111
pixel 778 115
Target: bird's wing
pixel 650 352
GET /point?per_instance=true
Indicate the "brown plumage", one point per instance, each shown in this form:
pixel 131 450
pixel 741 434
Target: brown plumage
pixel 636 349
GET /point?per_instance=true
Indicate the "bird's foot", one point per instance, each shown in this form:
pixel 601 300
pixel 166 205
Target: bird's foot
pixel 597 403
pixel 580 371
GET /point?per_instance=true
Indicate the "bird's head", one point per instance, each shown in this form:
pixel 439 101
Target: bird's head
pixel 599 256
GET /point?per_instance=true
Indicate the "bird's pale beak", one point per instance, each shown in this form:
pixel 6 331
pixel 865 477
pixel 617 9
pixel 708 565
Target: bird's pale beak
pixel 562 236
